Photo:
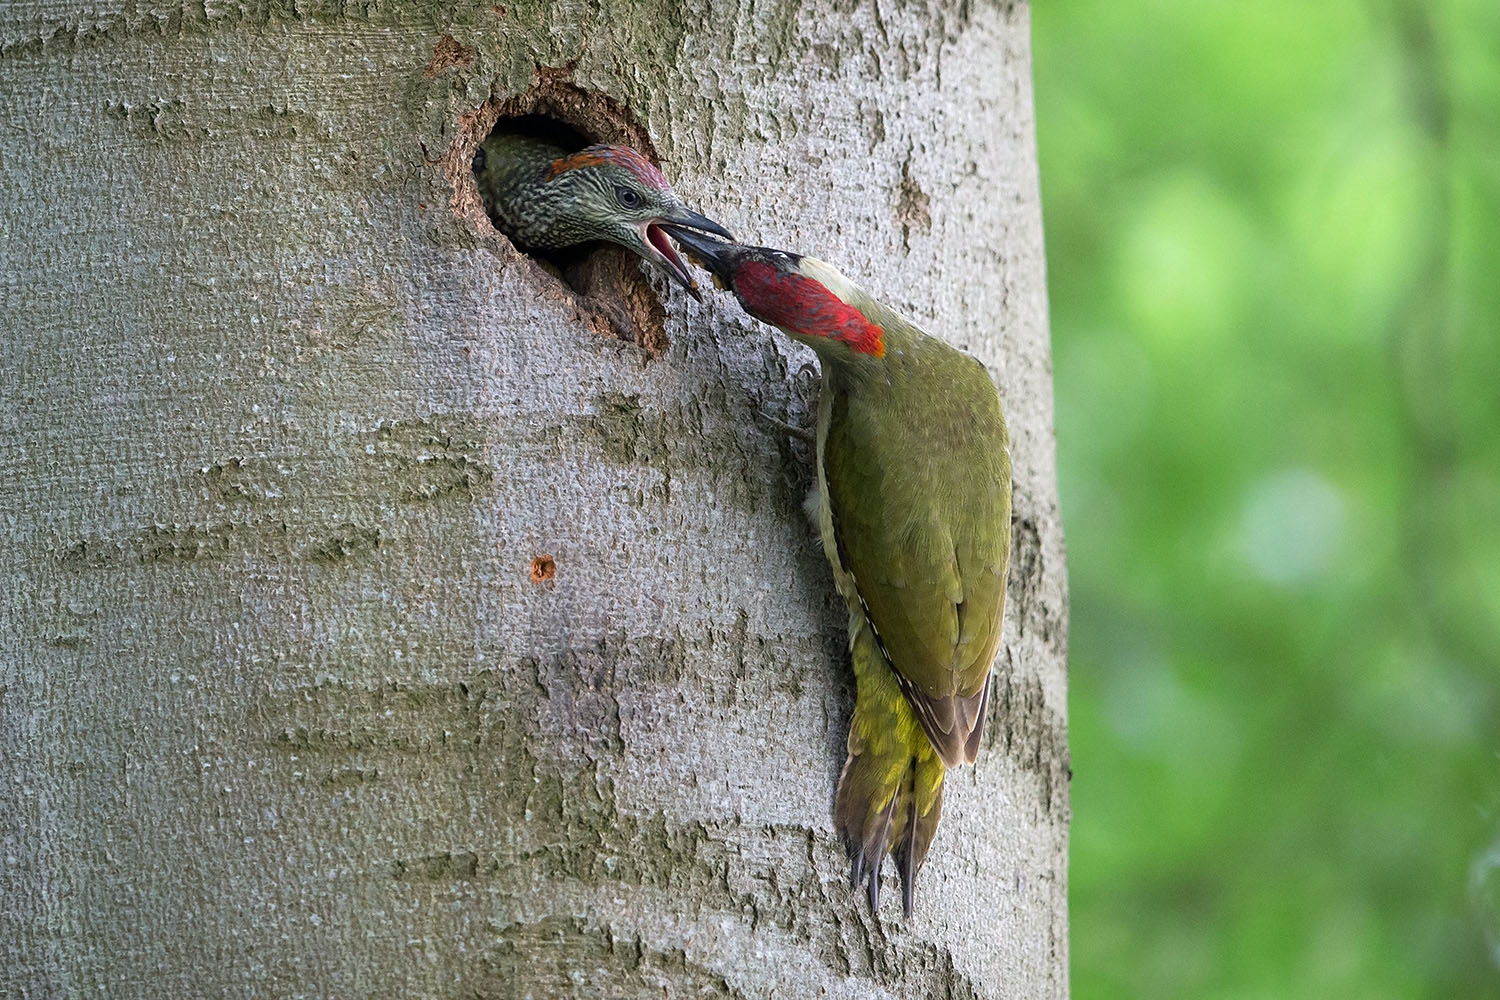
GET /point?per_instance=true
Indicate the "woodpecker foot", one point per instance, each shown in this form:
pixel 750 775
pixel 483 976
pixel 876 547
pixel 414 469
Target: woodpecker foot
pixel 804 434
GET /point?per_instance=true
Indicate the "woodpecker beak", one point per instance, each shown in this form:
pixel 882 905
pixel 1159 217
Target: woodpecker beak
pixel 714 256
pixel 678 220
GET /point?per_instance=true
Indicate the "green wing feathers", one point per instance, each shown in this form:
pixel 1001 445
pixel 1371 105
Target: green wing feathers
pixel 921 508
pixel 914 480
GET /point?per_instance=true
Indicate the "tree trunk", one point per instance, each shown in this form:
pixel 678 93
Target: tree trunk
pixel 375 622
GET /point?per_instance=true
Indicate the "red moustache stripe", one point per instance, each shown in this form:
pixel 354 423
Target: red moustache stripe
pixel 804 306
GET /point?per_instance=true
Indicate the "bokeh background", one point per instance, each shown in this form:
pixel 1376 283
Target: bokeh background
pixel 1273 241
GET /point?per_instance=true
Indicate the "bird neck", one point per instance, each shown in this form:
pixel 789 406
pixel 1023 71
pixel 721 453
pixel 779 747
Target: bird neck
pixel 527 204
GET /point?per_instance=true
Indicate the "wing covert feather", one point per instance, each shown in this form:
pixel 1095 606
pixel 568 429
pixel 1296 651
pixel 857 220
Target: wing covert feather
pixel 919 496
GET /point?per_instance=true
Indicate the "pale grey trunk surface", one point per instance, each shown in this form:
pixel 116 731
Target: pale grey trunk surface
pixel 282 712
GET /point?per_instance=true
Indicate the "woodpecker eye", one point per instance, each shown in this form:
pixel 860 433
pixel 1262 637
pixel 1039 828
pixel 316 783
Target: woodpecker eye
pixel 628 197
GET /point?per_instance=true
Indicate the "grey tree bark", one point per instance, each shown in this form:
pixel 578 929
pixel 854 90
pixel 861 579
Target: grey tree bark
pixel 372 623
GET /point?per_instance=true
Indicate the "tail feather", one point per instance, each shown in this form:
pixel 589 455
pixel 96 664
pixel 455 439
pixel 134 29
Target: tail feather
pixel 954 723
pixel 976 730
pixel 890 792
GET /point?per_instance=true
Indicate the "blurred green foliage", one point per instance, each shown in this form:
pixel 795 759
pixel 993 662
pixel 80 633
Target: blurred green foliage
pixel 1273 238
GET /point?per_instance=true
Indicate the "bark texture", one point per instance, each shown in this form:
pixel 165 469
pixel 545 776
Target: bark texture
pixel 373 625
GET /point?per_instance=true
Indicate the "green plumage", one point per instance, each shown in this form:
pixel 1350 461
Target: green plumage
pixel 913 507
pixel 914 510
pixel 513 184
pixel 916 476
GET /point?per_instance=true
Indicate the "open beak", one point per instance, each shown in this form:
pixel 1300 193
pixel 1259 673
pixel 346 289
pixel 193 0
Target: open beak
pixel 714 256
pixel 678 220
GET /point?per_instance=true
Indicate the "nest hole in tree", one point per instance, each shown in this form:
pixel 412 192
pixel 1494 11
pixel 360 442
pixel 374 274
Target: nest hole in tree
pixel 605 283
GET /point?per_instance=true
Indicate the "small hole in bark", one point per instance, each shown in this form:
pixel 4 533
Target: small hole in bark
pixel 605 283
pixel 543 568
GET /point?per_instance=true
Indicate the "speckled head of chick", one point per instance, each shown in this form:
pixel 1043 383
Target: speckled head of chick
pixel 544 197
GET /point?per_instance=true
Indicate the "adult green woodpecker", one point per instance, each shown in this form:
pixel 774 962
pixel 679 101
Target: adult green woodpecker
pixel 545 198
pixel 913 506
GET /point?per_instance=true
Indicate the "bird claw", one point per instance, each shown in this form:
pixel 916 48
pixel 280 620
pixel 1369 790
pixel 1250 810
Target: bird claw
pixel 803 434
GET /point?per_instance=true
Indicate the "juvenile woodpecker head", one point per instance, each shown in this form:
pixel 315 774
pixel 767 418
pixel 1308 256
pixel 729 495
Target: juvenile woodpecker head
pixel 610 193
pixel 806 297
